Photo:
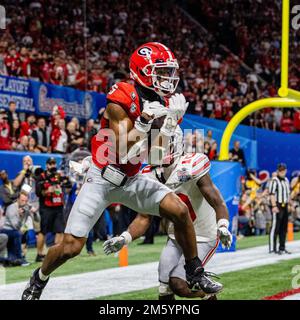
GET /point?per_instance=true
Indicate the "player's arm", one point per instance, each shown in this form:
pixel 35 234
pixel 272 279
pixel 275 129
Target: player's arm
pixel 136 229
pixel 122 126
pixel 213 196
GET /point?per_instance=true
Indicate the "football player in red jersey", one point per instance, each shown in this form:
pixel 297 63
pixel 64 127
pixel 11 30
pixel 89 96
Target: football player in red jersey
pixel 113 177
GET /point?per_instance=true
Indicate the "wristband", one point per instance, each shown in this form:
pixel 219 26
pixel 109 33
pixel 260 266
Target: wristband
pixel 143 126
pixel 23 171
pixel 223 223
pixel 127 237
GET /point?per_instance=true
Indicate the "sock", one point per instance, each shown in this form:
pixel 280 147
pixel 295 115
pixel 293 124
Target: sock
pixel 192 265
pixel 42 276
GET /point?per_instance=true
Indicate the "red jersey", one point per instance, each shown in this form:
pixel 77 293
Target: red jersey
pixel 124 95
pixel 103 147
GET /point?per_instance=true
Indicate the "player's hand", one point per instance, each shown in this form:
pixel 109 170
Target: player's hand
pixel 225 237
pixel 154 110
pixel 275 209
pixel 114 244
pixel 178 105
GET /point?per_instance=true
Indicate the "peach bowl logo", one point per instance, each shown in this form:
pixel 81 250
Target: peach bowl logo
pixel 73 109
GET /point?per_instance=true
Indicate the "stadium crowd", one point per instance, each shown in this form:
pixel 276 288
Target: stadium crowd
pixel 88 48
pixel 255 216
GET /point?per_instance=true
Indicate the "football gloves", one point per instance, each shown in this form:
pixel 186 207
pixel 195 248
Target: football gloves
pixel 225 237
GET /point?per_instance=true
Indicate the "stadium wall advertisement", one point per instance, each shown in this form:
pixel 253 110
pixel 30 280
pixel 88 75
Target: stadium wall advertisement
pixel 40 98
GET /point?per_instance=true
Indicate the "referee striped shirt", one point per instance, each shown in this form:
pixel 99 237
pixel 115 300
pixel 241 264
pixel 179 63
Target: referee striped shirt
pixel 280 188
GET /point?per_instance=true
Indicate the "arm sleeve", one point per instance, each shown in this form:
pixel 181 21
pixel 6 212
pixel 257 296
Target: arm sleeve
pixel 200 166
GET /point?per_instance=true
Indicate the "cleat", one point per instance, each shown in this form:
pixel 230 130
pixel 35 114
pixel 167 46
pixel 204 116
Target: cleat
pixel 202 281
pixel 34 287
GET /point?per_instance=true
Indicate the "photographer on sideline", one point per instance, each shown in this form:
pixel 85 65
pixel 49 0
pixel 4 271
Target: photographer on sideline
pixel 50 190
pixel 18 216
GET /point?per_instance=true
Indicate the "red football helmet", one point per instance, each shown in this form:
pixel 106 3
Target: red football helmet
pixel 154 66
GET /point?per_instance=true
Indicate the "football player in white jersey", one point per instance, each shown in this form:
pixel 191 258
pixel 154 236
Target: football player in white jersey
pixel 188 176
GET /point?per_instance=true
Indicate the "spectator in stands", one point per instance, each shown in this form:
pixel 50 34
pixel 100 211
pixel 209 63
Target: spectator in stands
pixel 286 124
pixel 5 143
pixel 15 134
pixel 16 217
pixel 8 192
pixel 75 137
pixel 90 131
pixel 59 138
pixel 213 152
pixel 42 136
pixel 32 146
pixel 252 183
pixel 11 113
pixel 237 154
pixel 260 218
pixel 209 137
pixel 23 145
pixel 206 148
pixel 297 120
pixel 29 125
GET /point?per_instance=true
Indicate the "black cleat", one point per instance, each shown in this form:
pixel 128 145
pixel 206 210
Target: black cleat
pixel 35 287
pixel 198 279
pixel 40 258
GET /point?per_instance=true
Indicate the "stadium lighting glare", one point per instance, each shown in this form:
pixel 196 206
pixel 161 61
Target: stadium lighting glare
pixel 288 98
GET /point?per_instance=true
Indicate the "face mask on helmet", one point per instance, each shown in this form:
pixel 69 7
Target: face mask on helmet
pixel 164 78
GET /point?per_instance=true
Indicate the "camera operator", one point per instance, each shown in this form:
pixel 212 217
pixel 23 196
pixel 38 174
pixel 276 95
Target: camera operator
pixel 50 190
pixel 27 176
pixel 18 220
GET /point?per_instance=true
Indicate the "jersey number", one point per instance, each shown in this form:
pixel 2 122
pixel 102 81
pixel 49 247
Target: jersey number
pixel 113 89
pixel 187 201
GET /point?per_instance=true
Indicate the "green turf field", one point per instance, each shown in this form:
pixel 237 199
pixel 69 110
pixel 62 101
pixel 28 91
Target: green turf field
pixel 249 284
pixel 137 254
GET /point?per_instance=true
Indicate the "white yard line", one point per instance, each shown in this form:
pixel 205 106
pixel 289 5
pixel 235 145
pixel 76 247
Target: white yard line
pixel 142 276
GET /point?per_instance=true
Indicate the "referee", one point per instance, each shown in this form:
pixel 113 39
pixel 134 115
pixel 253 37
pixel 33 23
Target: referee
pixel 279 190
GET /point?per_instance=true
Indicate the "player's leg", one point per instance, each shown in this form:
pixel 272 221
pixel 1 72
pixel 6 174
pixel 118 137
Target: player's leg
pixel 68 248
pixel 143 194
pixel 177 280
pixel 88 207
pixel 172 208
pixel 169 259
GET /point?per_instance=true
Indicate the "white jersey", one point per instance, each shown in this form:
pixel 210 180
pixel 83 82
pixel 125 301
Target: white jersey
pixel 183 181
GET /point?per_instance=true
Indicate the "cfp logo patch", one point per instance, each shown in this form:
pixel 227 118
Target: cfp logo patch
pixel 133 108
pixel 145 52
